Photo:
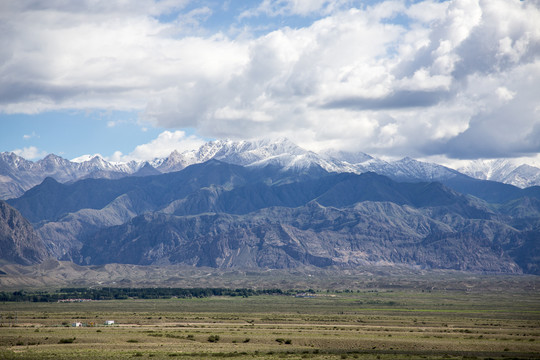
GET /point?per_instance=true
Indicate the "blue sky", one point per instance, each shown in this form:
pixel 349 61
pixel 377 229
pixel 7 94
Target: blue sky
pixel 441 80
pixel 73 133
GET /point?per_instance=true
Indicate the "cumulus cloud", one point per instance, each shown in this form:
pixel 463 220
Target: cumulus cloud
pixel 104 54
pixel 506 122
pixel 457 78
pixel 30 153
pixel 160 147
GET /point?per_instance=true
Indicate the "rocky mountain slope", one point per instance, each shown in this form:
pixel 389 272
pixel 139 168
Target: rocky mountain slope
pixel 223 215
pixel 18 241
pixel 367 233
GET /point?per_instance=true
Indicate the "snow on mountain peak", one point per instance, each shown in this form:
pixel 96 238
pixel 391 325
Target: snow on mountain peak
pixel 280 152
pixel 83 158
pixel 509 171
pixel 348 156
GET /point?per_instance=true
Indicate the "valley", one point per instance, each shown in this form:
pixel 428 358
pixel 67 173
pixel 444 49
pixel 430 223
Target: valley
pixel 492 317
pixel 270 179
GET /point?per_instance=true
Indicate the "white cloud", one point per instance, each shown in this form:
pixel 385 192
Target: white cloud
pixel 505 94
pixel 422 80
pixel 30 136
pixel 160 147
pixel 30 153
pixel 428 11
pixel 392 78
pixel 92 58
pixel 506 121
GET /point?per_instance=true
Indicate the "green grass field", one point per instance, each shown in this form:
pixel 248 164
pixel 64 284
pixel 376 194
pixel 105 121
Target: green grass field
pixel 365 324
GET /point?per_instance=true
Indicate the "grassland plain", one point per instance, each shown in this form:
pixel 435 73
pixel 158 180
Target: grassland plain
pixel 499 319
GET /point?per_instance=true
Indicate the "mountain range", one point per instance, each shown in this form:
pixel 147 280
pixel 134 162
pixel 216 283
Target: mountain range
pixel 268 204
pixel 18 174
pixel 507 171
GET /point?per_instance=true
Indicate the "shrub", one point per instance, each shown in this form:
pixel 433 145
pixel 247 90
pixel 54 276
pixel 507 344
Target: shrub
pixel 213 338
pixel 67 341
pixel 284 341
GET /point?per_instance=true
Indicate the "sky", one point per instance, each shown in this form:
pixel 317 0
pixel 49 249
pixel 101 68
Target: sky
pixel 134 80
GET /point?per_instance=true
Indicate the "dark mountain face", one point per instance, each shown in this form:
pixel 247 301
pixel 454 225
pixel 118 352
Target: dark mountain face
pixel 18 240
pixel 50 200
pixel 490 191
pixel 220 187
pixel 222 215
pixel 368 233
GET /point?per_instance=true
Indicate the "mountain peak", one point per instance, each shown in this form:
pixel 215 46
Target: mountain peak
pixel 174 154
pixel 52 157
pixel 49 180
pixel 348 156
pixel 51 162
pixel 407 159
pixel 146 170
pixel 97 159
pixel 82 158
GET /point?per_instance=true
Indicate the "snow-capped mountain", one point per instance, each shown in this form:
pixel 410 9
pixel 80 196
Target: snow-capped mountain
pixel 91 163
pixel 287 155
pixel 279 152
pixel 18 174
pixel 508 171
pixel 408 169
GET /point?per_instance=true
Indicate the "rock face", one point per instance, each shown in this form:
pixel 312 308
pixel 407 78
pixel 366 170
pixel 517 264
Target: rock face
pixel 222 215
pixel 369 233
pixel 18 241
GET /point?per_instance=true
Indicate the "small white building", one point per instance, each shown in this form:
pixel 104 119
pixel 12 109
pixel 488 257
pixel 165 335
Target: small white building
pixel 77 324
pixel 109 322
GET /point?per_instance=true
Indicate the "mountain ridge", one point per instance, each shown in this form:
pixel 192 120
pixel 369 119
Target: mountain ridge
pixel 507 171
pixel 18 175
pixel 224 215
pixel 272 204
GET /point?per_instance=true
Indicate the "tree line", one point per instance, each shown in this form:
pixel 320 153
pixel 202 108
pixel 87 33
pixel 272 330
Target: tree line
pixel 113 293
